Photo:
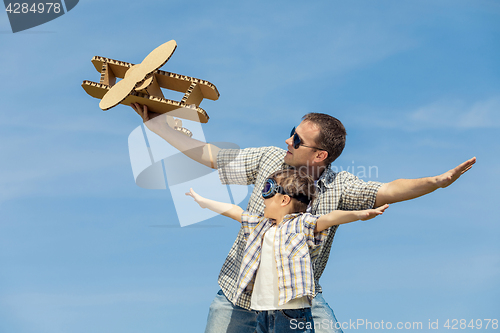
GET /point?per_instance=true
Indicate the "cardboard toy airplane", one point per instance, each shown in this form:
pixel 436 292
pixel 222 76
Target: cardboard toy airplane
pixel 142 84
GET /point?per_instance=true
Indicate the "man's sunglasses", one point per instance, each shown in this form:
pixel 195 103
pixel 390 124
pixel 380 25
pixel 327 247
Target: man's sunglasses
pixel 297 142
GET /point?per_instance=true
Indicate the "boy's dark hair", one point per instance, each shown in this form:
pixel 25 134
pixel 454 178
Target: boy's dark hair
pixel 331 134
pixel 296 183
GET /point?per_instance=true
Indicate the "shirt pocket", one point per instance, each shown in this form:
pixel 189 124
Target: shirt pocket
pixel 296 246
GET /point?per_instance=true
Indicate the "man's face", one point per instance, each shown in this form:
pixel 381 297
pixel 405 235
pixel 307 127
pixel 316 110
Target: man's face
pixel 303 156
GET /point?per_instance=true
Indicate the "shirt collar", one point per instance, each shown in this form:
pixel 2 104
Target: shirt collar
pixel 327 177
pixel 290 216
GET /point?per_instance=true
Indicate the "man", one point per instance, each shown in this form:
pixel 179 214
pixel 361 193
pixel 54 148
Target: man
pixel 312 147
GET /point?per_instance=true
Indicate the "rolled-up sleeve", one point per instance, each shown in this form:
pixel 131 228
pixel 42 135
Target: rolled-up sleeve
pixel 309 225
pixel 356 193
pixel 249 222
pixel 239 166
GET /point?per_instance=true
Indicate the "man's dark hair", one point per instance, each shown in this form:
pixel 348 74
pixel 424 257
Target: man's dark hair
pixel 331 134
pixel 296 183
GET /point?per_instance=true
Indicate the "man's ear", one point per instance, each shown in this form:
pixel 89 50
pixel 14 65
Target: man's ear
pixel 321 155
pixel 285 200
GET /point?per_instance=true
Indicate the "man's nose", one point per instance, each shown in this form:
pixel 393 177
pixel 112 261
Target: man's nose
pixel 289 141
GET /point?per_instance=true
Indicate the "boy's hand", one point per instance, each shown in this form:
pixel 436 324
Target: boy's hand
pixel 371 213
pixel 198 198
pixel 223 208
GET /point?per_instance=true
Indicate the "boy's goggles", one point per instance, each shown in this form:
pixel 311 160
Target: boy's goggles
pixel 271 187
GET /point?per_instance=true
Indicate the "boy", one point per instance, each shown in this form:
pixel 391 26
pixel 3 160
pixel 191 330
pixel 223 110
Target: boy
pixel 281 247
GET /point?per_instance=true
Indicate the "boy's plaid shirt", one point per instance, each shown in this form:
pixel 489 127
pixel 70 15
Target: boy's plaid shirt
pixel 252 166
pixel 295 247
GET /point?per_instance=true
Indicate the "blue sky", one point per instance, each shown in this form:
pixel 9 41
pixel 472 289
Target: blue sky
pixel 416 84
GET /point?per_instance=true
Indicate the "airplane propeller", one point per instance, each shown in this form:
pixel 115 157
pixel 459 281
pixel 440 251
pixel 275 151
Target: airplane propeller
pixel 138 74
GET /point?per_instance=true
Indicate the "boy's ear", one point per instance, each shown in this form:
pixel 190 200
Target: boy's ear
pixel 285 200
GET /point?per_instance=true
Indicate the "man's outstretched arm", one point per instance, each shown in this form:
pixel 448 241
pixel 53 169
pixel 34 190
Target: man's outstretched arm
pixel 406 189
pixel 199 151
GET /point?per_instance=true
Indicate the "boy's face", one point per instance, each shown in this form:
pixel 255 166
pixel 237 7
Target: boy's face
pixel 277 206
pixel 272 206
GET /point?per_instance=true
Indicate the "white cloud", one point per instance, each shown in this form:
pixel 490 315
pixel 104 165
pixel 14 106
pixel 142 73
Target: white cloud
pixel 457 114
pixel 482 114
pixel 441 114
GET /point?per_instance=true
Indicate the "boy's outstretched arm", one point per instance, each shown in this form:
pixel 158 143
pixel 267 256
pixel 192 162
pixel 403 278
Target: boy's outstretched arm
pixel 345 216
pixel 223 208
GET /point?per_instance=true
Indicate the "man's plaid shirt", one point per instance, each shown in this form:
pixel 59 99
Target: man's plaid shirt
pixel 296 246
pixel 341 190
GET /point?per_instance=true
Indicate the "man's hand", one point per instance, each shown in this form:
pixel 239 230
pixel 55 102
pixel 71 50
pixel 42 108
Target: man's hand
pixel 407 189
pixel 156 122
pixel 447 178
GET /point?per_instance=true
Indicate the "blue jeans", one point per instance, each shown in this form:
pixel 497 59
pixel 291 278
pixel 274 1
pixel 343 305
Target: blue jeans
pixel 285 321
pixel 224 317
